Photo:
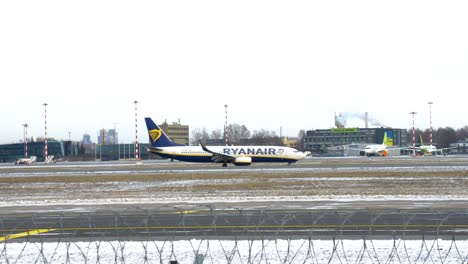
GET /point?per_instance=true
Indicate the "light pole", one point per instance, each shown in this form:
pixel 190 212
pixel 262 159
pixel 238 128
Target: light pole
pixel 225 125
pixel 430 121
pixel 414 139
pixel 136 130
pixel 97 144
pixel 25 135
pixel 46 153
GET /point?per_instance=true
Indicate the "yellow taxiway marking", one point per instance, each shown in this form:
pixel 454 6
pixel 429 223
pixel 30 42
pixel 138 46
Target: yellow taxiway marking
pixel 187 212
pixel 25 234
pixel 299 226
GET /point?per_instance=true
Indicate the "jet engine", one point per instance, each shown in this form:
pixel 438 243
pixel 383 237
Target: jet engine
pixel 243 161
pixel 384 153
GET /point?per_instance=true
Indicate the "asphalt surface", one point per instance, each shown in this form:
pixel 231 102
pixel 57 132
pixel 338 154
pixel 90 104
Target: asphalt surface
pixel 137 225
pixel 453 161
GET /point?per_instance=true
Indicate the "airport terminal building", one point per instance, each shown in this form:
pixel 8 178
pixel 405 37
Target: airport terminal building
pixel 107 148
pixel 344 141
pixel 58 149
pixel 72 150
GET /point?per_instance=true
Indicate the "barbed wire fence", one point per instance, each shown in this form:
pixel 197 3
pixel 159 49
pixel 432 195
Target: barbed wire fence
pixel 234 236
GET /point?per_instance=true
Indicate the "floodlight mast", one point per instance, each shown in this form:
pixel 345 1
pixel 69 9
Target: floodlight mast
pixel 136 130
pixel 430 121
pixel 46 153
pixel 414 138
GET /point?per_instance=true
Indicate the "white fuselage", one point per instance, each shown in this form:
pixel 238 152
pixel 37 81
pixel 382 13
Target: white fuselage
pixel 256 153
pixel 375 149
pixel 429 149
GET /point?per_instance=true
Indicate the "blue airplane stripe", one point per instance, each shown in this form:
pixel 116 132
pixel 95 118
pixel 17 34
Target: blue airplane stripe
pixel 207 158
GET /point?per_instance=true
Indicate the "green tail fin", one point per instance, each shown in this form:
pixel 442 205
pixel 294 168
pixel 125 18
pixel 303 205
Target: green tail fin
pixel 385 139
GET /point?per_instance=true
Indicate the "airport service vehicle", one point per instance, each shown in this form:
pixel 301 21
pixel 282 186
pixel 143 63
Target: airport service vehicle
pixel 26 161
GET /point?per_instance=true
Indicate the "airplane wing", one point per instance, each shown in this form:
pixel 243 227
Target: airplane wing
pixel 358 149
pixel 411 148
pixel 346 146
pixel 218 157
pixel 442 150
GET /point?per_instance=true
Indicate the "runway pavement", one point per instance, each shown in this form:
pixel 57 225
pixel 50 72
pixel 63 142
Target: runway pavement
pixel 159 166
pixel 205 223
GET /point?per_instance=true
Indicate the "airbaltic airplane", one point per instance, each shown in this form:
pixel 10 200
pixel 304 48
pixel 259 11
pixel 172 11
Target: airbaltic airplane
pixel 376 149
pixel 431 149
pixel 238 155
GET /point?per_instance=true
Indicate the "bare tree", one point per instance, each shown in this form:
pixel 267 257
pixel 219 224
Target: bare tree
pixel 462 133
pixel 265 137
pixel 445 136
pixel 198 135
pixel 237 132
pixel 441 137
pixel 216 134
pixel 409 136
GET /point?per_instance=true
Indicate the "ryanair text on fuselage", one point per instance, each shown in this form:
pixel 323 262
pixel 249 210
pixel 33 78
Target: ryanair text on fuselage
pixel 252 151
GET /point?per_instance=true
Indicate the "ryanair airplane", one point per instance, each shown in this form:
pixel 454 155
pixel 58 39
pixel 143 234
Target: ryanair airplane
pixel 238 155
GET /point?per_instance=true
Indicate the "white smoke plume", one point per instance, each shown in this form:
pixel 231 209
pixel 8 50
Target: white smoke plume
pixel 361 116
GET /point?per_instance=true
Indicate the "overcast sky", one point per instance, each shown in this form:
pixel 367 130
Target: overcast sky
pixel 288 64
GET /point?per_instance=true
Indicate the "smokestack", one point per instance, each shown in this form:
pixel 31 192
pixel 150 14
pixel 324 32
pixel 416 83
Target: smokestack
pixel 366 120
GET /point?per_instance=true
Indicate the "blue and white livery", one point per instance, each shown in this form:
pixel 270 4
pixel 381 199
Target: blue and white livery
pixel 238 155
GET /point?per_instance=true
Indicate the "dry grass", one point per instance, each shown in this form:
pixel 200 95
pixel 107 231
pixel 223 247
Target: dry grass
pixel 233 184
pixel 260 177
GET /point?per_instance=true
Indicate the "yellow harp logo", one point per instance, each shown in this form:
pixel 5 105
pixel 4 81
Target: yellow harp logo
pixel 155 134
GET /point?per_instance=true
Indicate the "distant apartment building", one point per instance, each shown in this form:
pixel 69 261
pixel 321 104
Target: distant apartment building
pixel 176 132
pixel 86 139
pixel 112 136
pixel 106 137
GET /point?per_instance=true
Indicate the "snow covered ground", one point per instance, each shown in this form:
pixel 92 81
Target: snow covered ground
pixel 152 186
pixel 240 251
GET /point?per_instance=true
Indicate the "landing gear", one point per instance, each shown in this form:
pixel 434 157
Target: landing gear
pixel 224 164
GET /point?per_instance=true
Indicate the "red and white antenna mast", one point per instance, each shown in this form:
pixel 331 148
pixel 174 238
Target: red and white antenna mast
pixel 414 138
pixel 430 121
pixel 25 132
pixel 226 126
pixel 136 130
pixel 46 153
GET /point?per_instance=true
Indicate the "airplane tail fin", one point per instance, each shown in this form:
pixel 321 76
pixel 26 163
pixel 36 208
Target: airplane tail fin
pixel 157 137
pixel 385 139
pixel 422 142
